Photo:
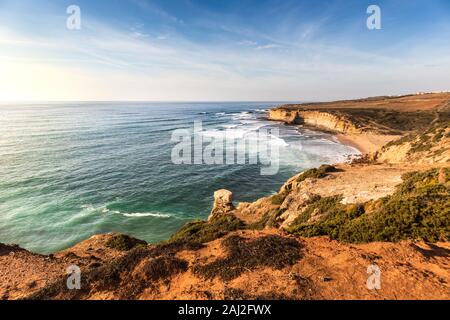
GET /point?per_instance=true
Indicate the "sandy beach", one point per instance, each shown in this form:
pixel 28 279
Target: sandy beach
pixel 365 143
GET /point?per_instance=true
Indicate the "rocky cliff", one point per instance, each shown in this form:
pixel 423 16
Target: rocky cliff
pixel 378 115
pixel 318 119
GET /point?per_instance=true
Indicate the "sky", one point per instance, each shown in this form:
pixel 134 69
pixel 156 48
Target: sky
pixel 216 50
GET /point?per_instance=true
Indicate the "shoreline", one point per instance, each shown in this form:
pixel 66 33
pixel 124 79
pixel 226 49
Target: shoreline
pixel 365 143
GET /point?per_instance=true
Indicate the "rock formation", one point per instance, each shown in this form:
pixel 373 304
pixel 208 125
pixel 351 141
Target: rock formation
pixel 223 203
pixel 324 120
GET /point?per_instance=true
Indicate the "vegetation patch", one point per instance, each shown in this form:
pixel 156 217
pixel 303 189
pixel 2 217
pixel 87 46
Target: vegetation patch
pixel 118 275
pixel 164 267
pixel 419 209
pixel 388 121
pixel 278 199
pixel 322 207
pixel 204 231
pixel 269 219
pixel 245 255
pixel 123 242
pixel 317 173
pixel 402 140
pixel 425 140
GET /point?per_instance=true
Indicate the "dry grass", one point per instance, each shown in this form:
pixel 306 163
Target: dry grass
pixel 245 255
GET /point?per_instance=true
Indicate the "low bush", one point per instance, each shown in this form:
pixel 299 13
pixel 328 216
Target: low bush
pixel 204 231
pixel 244 255
pixel 269 219
pixel 321 206
pixel 164 267
pixel 123 242
pixel 278 199
pixel 317 173
pixel 419 209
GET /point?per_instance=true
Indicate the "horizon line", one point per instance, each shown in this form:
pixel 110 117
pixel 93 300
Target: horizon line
pixel 299 101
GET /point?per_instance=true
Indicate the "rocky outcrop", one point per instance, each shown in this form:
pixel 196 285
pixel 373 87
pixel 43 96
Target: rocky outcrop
pixel 293 206
pixel 319 119
pixel 233 264
pixel 223 203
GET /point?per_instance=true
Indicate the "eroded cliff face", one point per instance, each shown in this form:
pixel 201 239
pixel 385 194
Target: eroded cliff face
pixel 430 147
pixel 319 119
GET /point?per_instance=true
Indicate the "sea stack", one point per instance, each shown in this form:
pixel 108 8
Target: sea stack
pixel 223 203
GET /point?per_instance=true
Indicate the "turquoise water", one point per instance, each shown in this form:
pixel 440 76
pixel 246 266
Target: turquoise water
pixel 69 171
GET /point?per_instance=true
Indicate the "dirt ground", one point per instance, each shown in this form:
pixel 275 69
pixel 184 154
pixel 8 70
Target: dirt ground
pixel 23 272
pixel 326 269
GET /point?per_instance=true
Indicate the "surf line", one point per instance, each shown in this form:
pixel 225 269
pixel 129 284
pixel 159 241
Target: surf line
pixel 259 147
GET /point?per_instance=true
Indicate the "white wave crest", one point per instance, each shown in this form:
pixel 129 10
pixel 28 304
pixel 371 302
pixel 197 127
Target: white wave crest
pixel 146 214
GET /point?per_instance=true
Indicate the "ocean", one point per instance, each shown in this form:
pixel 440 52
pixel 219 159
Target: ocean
pixel 72 170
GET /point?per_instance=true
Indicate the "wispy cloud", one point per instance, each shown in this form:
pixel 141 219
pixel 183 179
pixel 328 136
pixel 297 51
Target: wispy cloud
pixel 247 43
pixel 210 59
pixel 268 46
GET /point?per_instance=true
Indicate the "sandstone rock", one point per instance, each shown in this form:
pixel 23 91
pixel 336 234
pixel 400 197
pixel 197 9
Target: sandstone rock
pixel 223 203
pixel 293 206
pixel 321 119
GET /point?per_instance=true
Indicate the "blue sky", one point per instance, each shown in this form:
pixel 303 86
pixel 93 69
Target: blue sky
pixel 179 50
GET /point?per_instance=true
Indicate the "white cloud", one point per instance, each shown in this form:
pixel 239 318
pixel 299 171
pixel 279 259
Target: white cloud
pixel 104 63
pixel 248 43
pixel 268 46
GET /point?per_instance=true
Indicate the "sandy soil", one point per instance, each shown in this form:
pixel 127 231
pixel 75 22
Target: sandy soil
pixel 366 143
pixel 23 273
pixel 327 270
pixel 383 181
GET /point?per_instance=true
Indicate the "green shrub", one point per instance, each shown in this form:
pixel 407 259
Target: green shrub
pixel 419 209
pixel 317 173
pixel 402 140
pixel 278 199
pixel 322 206
pixel 244 255
pixel 123 242
pixel 204 231
pixel 269 219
